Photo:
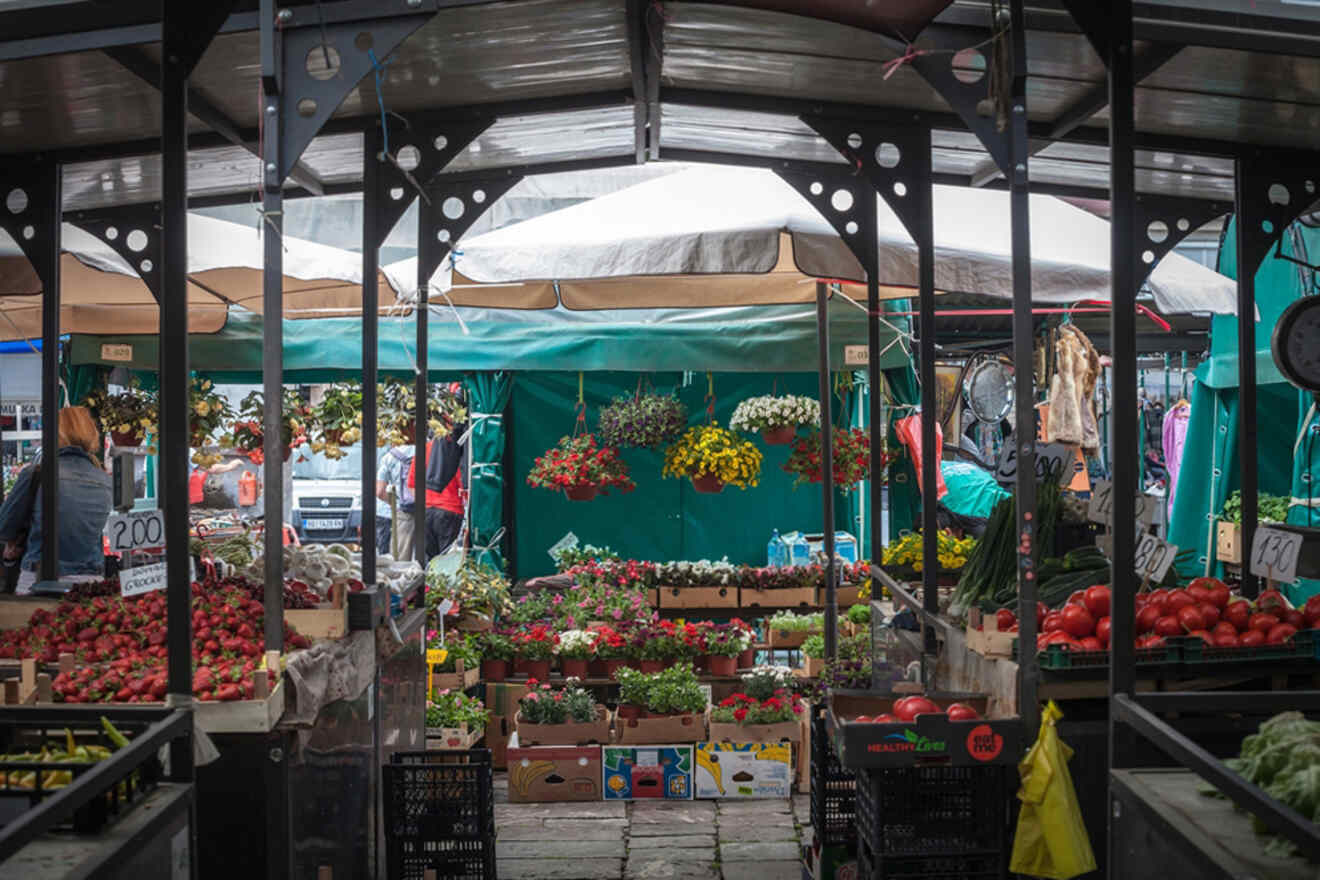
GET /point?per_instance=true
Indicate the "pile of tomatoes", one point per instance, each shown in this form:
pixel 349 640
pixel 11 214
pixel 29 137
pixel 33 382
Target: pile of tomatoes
pixel 1206 609
pixel 907 709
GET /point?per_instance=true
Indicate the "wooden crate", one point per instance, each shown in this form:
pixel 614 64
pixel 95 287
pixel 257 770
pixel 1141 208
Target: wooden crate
pixel 1228 543
pixel 782 638
pixel 698 597
pixel 797 597
pixel 15 611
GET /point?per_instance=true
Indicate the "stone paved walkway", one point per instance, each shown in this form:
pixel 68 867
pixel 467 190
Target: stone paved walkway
pixel 650 840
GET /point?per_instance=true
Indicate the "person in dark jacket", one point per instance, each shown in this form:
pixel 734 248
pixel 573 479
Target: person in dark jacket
pixel 446 469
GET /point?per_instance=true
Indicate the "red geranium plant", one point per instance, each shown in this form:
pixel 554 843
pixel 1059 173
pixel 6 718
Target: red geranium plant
pixel 742 709
pixel 580 468
pixel 852 458
pixel 535 642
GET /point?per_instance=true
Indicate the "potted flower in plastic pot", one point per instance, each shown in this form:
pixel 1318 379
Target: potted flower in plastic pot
pixel 744 718
pixel 612 649
pixel 496 652
pixel 535 646
pixel 567 716
pixel 713 457
pixel 580 468
pixel 776 417
pixel 576 648
pixel 659 646
pixel 643 420
pixel 724 645
pixel 673 701
pixel 634 686
pixel 454 719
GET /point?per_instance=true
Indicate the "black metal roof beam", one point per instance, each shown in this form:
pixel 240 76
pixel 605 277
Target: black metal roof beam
pixel 1085 107
pixel 147 69
pixel 636 13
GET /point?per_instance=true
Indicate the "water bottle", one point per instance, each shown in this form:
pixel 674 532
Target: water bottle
pixel 776 554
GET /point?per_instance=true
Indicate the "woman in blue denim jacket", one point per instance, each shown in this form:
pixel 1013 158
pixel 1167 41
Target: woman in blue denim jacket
pixel 84 505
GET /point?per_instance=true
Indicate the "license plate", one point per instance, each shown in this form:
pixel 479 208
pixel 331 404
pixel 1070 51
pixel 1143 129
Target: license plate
pixel 323 524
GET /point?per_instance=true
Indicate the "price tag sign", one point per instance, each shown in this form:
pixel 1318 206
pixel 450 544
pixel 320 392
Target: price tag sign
pixel 143 579
pixel 1100 509
pixel 139 530
pixel 568 542
pixel 1274 554
pixel 1051 458
pixel 1153 557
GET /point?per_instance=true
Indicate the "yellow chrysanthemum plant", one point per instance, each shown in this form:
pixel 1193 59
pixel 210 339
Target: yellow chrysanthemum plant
pixel 713 457
pixel 209 412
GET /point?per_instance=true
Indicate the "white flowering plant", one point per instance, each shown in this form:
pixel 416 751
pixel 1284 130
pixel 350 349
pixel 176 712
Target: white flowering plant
pixel 764 681
pixel 768 413
pixel 702 573
pixel 576 644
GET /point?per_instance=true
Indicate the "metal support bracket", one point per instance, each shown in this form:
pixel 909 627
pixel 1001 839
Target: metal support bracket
pixel 1162 222
pixel 1093 19
pixel 1279 187
pixel 846 200
pixel 951 71
pixel 131 231
pixel 29 214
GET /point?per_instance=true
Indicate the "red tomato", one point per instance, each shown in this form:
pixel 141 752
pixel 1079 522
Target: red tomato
pixel 1202 635
pixel 1102 630
pixel 909 708
pixel 1004 619
pixel 1041 611
pixel 1218 595
pixel 885 718
pixel 1091 643
pixel 1168 625
pixel 1077 598
pixel 1146 617
pixel 1263 622
pixel 1150 641
pixel 1272 601
pixel 1228 640
pixel 1077 621
pixel 1210 612
pixel 1053 622
pixel 1158 598
pixel 1252 638
pixel 1178 600
pixel 1197 592
pixel 1097 601
pixel 1238 613
pixel 962 712
pixel 1190 618
pixel 863 719
pixel 1224 628
pixel 1296 619
pixel 1280 634
pixel 1060 638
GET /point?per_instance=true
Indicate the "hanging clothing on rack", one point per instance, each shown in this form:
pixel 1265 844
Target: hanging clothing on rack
pixel 1174 436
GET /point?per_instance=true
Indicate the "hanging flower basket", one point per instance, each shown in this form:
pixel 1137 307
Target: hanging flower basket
pixel 713 457
pixel 852 458
pixel 247 434
pixel 580 468
pixel 642 420
pixel 124 438
pixel 127 416
pixel 708 484
pixel 776 417
pixel 583 492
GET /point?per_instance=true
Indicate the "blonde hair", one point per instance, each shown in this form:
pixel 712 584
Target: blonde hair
pixel 78 428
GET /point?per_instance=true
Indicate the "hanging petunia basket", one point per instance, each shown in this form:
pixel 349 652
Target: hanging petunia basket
pixel 713 457
pixel 642 420
pixel 852 458
pixel 581 469
pixel 776 417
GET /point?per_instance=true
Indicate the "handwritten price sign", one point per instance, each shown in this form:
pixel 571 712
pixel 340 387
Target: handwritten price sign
pixel 1153 557
pixel 1274 554
pixel 1051 459
pixel 1100 509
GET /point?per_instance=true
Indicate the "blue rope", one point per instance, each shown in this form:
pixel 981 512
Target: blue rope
pixel 379 69
pixel 454 254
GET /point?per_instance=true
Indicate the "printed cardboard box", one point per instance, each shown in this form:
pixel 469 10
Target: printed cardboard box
pixel 631 773
pixel 743 770
pixel 541 774
pixel 732 732
pixel 569 733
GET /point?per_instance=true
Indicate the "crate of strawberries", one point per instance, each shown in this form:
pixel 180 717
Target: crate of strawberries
pixel 877 730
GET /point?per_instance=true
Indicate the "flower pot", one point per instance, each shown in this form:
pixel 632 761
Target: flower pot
pixel 723 665
pixel 597 668
pixel 573 668
pixel 779 436
pixel 747 659
pixel 651 666
pixel 612 665
pixel 584 492
pixel 124 438
pixel 627 711
pixel 701 662
pixel 537 669
pixel 708 484
pixel 633 664
pixel 494 670
pixel 519 666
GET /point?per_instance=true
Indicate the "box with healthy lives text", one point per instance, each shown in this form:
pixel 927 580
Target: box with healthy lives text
pixel 662 772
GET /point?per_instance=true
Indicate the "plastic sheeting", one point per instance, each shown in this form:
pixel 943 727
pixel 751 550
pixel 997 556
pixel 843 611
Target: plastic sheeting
pixel 721 220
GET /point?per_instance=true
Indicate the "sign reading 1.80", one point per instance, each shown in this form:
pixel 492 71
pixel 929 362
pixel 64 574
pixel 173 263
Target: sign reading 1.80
pixel 139 530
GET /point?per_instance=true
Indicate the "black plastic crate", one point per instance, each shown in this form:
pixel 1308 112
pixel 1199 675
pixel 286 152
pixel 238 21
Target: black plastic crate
pixel 440 815
pixel 833 788
pixel 945 867
pixel 938 811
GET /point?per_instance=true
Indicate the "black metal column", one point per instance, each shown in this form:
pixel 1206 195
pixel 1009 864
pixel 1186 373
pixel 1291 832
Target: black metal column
pixel 50 187
pixel 930 447
pixel 272 304
pixel 1246 327
pixel 371 148
pixel 874 385
pixel 1023 359
pixel 421 388
pixel 827 467
pixel 174 381
pixel 1123 343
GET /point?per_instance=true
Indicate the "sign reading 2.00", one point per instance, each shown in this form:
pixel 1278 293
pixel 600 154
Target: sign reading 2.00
pixel 139 530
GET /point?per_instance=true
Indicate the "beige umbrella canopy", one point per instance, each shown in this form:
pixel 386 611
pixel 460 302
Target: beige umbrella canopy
pixel 100 293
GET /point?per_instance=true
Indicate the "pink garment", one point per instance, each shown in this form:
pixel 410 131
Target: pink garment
pixel 1175 435
pixel 909 432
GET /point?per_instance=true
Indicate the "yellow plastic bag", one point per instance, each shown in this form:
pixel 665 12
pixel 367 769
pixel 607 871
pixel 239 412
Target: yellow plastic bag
pixel 1051 839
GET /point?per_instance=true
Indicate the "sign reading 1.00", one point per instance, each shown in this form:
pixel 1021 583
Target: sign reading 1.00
pixel 139 530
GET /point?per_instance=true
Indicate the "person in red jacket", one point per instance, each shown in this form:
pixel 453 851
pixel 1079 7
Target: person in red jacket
pixel 446 462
